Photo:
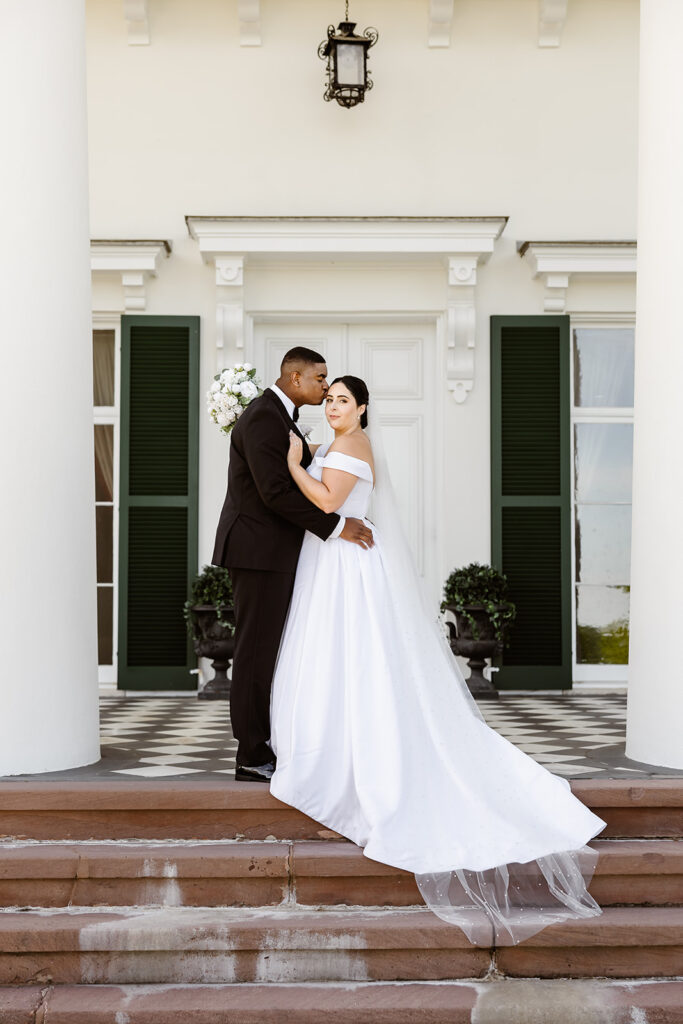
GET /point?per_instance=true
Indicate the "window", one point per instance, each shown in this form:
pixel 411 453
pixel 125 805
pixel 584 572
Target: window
pixel 106 427
pixel 602 464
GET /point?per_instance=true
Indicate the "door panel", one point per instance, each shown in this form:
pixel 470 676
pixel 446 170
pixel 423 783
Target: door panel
pixel 398 363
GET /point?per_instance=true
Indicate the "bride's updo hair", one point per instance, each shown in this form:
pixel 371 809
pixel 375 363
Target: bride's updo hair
pixel 359 390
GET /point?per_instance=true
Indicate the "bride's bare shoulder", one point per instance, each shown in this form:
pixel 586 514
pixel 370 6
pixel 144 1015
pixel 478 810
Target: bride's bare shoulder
pixel 356 444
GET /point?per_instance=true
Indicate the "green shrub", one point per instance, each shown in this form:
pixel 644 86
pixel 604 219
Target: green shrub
pixel 484 586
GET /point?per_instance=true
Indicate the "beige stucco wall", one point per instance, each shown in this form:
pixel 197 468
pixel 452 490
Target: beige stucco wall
pixel 493 125
pixel 195 123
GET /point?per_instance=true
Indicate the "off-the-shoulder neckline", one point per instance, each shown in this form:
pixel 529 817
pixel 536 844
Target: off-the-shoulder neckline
pixel 345 456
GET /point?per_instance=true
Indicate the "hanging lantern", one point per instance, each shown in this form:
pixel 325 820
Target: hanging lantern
pixel 348 78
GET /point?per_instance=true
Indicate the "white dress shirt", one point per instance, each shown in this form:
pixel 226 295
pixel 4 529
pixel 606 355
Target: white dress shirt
pixel 289 406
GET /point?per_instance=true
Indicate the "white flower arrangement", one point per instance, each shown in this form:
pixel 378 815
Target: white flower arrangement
pixel 231 392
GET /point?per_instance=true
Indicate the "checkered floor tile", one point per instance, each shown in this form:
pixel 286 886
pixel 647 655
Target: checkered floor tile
pixel 574 735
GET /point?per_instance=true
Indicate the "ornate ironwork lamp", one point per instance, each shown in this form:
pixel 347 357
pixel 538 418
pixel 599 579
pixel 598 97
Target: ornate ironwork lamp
pixel 348 78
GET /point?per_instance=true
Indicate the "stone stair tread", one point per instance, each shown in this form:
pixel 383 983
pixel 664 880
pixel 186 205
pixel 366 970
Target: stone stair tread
pixel 456 1002
pixel 262 857
pixel 248 928
pixel 127 860
pixel 198 794
pixel 266 873
pixel 221 810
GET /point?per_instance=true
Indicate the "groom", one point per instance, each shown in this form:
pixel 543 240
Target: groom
pixel 259 536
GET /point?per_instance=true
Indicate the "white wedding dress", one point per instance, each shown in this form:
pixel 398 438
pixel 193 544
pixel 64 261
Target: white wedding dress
pixel 377 738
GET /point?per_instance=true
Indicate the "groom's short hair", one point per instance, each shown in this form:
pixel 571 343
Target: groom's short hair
pixel 299 356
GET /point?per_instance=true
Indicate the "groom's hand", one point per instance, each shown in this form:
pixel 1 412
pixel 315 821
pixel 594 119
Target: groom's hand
pixel 357 532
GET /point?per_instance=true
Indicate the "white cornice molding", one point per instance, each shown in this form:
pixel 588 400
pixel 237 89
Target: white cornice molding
pixel 556 262
pixel 249 12
pixel 552 15
pixel 137 19
pixel 136 260
pixel 344 236
pixel 440 22
pixel 460 244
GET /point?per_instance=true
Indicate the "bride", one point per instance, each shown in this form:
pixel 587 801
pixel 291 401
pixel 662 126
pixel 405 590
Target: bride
pixel 377 736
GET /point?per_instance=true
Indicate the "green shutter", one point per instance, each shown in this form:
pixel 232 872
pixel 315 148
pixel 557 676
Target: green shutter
pixel 158 504
pixel 530 495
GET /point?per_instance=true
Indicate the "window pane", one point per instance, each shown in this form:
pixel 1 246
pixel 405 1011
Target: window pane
pixel 105 625
pixel 602 625
pixel 603 459
pixel 603 543
pixel 603 367
pixel 104 518
pixel 104 462
pixel 103 367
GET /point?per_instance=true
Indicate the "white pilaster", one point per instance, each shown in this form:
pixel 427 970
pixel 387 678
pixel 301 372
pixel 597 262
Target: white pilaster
pixel 655 691
pixel 48 715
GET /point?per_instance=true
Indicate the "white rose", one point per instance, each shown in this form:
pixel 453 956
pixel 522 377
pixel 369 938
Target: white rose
pixel 249 390
pixel 216 386
pixel 236 389
pixel 248 366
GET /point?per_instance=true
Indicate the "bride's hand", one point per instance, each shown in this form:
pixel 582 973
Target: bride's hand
pixel 296 450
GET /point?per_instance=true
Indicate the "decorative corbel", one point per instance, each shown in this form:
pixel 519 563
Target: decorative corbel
pixel 136 15
pixel 552 15
pixel 134 297
pixel 462 280
pixel 250 22
pixel 229 305
pixel 440 20
pixel 555 298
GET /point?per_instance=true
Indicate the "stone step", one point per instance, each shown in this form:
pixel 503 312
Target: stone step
pixel 230 810
pixel 489 1002
pixel 262 873
pixel 283 945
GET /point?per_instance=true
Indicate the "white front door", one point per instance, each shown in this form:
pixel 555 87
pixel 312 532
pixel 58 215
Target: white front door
pixel 398 362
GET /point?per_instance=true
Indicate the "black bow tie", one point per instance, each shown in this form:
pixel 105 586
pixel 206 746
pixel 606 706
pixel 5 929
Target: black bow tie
pixel 295 414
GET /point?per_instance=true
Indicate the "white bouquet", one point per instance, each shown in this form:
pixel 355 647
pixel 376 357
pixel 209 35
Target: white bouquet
pixel 231 392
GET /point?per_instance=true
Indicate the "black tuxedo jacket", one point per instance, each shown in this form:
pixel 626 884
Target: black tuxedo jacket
pixel 264 515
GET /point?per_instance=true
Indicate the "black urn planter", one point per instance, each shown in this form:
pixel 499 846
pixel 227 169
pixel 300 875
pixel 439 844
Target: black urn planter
pixel 217 642
pixel 476 648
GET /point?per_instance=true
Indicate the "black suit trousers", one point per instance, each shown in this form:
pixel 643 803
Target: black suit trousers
pixel 261 600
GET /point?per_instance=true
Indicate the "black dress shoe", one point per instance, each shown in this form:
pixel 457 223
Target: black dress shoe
pixel 254 773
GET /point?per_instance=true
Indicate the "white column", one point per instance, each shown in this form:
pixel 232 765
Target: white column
pixel 655 695
pixel 48 655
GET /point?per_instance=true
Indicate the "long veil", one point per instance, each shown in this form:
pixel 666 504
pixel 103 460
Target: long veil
pixel 497 903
